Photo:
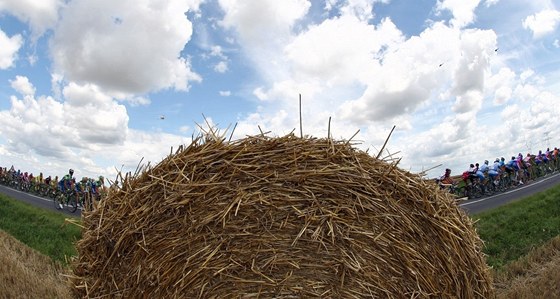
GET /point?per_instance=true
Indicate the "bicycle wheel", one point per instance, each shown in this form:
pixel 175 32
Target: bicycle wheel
pixel 71 203
pixel 58 200
pixel 477 190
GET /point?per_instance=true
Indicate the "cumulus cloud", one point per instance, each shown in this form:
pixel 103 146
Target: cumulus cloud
pixel 489 3
pixel 412 71
pixel 477 46
pixel 35 125
pixel 462 10
pixel 23 86
pixel 542 23
pixel 254 21
pixel 40 15
pixel 126 46
pixel 86 130
pixel 340 50
pixel 263 28
pixel 468 101
pixel 50 127
pixel 9 47
pixel 362 71
pixel 362 9
pixel 500 85
pixel 95 116
pixel 370 74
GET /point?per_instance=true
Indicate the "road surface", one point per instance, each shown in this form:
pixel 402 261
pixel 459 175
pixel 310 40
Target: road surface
pixel 38 201
pixel 470 206
pixel 487 203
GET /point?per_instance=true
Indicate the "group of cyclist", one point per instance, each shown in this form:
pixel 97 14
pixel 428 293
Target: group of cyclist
pixel 502 174
pixel 86 187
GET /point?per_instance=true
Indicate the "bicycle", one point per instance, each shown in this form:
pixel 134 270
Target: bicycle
pixel 67 199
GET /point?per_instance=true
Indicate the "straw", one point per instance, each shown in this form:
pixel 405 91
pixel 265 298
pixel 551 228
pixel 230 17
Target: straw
pixel 277 217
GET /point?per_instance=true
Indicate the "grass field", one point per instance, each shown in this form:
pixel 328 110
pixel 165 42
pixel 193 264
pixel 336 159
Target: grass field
pixel 42 230
pixel 512 231
pixel 522 242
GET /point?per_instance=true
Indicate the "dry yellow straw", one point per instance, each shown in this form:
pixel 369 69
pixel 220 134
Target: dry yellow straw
pixel 285 217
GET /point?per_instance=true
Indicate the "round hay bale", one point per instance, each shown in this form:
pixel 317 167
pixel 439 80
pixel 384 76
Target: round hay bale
pixel 283 217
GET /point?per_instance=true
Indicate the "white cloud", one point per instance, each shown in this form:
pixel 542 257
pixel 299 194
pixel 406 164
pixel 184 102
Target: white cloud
pixel 40 15
pixel 412 71
pixel 184 129
pixel 500 85
pixel 86 132
pixel 489 3
pixel 526 74
pixel 126 46
pixel 221 67
pixel 542 23
pixel 477 46
pixel 23 86
pixel 138 101
pixel 9 46
pixel 329 4
pixel 217 51
pixel 462 10
pixel 363 74
pixel 255 21
pixel 468 101
pixel 341 50
pixel 263 28
pixel 556 43
pixel 53 128
pixel 95 116
pixel 362 9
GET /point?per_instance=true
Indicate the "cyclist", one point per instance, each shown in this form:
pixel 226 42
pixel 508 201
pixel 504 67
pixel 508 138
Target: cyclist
pixel 494 171
pixel 470 175
pixel 98 187
pixel 481 172
pixel 511 167
pixel 521 169
pixel 445 180
pixel 66 182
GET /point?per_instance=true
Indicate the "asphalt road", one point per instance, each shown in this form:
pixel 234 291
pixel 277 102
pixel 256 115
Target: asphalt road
pixel 470 206
pixel 486 203
pixel 38 201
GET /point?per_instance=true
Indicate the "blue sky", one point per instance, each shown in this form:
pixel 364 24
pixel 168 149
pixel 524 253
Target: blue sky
pixel 99 85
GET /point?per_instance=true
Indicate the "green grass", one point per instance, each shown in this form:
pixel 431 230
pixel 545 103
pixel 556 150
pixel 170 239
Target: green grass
pixel 511 231
pixel 43 230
